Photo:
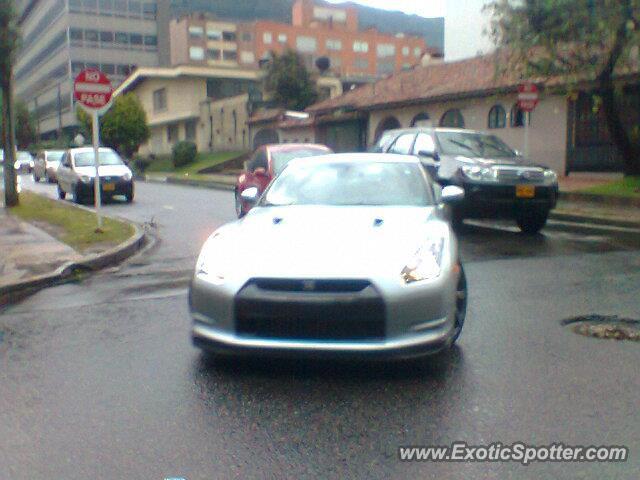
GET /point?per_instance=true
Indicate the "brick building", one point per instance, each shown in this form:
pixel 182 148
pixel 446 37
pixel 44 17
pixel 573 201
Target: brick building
pixel 315 31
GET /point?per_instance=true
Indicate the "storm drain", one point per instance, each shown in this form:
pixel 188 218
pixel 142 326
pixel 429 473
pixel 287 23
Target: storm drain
pixel 605 326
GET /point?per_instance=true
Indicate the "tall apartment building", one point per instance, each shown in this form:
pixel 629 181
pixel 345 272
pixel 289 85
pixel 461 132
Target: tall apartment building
pixel 315 31
pixel 62 37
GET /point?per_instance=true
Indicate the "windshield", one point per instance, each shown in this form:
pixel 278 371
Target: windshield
pixel 87 159
pixel 281 158
pixel 24 157
pixel 56 156
pixel 385 139
pixel 350 183
pixel 470 144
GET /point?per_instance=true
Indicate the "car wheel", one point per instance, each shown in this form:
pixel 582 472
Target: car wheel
pixel 239 211
pixel 129 197
pixel 461 304
pixel 36 178
pixel 532 221
pixel 77 197
pixel 61 193
pixel 457 220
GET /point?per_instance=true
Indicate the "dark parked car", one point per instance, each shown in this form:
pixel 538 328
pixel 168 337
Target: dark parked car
pixel 498 181
pixel 266 162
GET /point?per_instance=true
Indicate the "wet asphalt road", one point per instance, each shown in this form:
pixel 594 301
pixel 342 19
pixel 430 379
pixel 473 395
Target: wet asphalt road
pixel 98 379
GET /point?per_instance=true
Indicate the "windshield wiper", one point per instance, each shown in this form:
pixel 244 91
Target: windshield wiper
pixel 460 144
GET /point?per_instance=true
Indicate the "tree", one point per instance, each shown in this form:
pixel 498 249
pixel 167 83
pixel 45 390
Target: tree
pixel 25 132
pixel 124 126
pixel 579 41
pixel 290 81
pixel 8 46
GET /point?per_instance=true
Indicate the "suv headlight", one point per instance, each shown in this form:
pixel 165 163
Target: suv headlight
pixel 426 263
pixel 480 174
pixel 127 176
pixel 550 176
pixel 85 178
pixel 212 264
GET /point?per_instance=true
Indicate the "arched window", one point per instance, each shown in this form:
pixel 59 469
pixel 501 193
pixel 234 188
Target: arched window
pixel 497 117
pixel 421 120
pixel 518 117
pixel 388 123
pixel 452 118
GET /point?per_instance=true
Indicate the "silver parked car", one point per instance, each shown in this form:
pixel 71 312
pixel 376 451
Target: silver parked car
pixel 46 164
pixel 77 171
pixel 350 254
pixel 24 162
pixel 498 181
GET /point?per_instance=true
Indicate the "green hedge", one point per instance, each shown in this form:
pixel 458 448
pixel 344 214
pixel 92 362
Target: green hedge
pixel 183 154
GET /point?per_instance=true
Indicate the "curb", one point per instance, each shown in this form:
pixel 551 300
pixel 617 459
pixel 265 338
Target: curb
pixel 572 217
pixel 191 183
pixel 19 290
pixel 600 199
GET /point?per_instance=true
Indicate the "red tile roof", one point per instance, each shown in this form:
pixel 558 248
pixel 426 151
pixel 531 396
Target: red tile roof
pixel 424 83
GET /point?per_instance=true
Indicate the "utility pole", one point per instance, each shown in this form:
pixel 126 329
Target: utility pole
pixel 8 46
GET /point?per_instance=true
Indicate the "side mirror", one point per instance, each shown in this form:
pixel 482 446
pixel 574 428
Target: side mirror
pixel 452 194
pixel 428 154
pixel 250 195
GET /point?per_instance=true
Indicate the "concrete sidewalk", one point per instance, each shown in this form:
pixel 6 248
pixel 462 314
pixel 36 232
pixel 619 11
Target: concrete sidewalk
pixel 26 251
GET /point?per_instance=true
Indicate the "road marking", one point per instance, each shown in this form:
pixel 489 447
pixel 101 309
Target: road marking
pixel 169 207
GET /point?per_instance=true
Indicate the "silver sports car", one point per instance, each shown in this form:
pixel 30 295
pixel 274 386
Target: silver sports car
pixel 350 254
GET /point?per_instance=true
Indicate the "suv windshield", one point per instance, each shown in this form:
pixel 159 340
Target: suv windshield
pixel 281 158
pixel 56 156
pixel 350 183
pixel 471 144
pixel 87 159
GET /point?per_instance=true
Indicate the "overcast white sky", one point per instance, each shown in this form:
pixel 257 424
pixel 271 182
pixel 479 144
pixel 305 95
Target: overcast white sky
pixel 464 22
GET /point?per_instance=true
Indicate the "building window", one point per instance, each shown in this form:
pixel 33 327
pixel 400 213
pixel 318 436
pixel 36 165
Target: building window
pixel 151 40
pixel 172 133
pixel 190 130
pixel 108 68
pixel 229 36
pixel 247 57
pixel 246 36
pixel 417 52
pixel 306 44
pixel 518 117
pixel 160 100
pixel 334 44
pixel 497 117
pixel 196 53
pixel 452 118
pixel 76 35
pixel 122 38
pixel 405 51
pixel 421 120
pixel 267 38
pixel 196 32
pixel 135 39
pixel 282 37
pixel 91 36
pixel 214 54
pixel 386 50
pixel 214 34
pixel 361 63
pixel 149 10
pixel 360 46
pixel 385 67
pixel 230 55
pixel 106 39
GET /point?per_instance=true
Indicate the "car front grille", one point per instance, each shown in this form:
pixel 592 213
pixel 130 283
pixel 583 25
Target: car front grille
pixel 310 310
pixel 520 174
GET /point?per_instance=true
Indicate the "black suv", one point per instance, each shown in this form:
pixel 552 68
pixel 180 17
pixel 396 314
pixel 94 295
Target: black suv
pixel 498 182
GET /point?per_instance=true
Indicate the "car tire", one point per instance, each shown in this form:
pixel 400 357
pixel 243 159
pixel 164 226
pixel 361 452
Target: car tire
pixel 457 220
pixel 532 221
pixel 461 305
pixel 239 211
pixel 129 196
pixel 77 197
pixel 36 178
pixel 61 193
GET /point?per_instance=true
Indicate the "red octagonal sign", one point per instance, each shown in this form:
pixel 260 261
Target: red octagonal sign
pixel 527 96
pixel 92 88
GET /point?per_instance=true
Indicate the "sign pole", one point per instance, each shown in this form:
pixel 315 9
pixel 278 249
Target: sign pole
pixel 527 119
pixel 96 154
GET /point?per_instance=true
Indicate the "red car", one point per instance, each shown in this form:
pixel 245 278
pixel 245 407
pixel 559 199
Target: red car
pixel 267 162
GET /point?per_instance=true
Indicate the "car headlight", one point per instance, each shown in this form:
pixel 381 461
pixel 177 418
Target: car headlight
pixel 127 176
pixel 550 176
pixel 426 263
pixel 85 178
pixel 480 174
pixel 212 263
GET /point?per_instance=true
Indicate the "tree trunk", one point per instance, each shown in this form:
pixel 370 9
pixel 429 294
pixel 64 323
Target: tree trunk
pixel 630 153
pixel 9 144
